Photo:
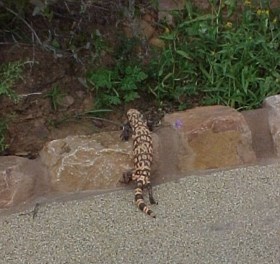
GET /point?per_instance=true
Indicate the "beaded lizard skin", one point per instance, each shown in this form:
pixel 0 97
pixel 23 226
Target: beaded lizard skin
pixel 142 158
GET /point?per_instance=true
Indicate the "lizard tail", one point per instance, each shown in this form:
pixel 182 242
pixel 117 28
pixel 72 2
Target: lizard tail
pixel 139 200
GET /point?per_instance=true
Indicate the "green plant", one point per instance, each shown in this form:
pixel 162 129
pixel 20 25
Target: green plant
pixel 113 87
pixel 98 42
pixel 3 129
pixel 56 96
pixel 126 50
pixel 93 42
pixel 222 61
pixel 9 74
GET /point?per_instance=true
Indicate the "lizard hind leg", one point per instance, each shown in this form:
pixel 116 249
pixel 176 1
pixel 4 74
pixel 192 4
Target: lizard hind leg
pixel 150 191
pixel 127 176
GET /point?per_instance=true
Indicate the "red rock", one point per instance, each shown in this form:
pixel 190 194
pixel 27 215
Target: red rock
pixel 146 29
pixel 210 137
pixel 20 180
pixel 148 18
pixel 166 6
pixel 140 28
pixel 78 163
pixel 157 42
pixel 262 140
pixel 66 101
pixel 272 104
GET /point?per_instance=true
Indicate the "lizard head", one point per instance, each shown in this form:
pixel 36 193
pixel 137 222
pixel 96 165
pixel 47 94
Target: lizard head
pixel 133 115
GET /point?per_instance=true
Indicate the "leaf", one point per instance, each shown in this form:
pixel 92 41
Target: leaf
pixel 101 78
pixel 200 18
pixel 208 76
pixel 131 96
pixel 112 99
pixel 128 84
pixel 129 70
pixel 97 111
pixel 183 54
pixel 141 76
pixel 169 36
pixel 55 44
pixel 231 6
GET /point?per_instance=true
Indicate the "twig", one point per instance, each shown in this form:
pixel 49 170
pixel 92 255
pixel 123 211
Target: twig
pixel 98 118
pixel 67 7
pixel 16 42
pixel 25 95
pixel 34 212
pixel 23 20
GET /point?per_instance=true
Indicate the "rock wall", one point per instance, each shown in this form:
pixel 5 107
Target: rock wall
pixel 196 139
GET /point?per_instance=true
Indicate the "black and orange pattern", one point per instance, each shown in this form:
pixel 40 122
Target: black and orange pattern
pixel 142 158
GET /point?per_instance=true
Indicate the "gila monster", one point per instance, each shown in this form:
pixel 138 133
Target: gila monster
pixel 142 158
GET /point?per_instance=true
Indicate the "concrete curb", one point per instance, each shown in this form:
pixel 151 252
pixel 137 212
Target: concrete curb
pixel 226 217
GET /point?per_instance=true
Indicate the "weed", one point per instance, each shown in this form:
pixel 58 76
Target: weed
pixel 114 86
pixel 223 61
pixel 125 51
pixel 98 43
pixel 56 96
pixel 3 129
pixel 121 83
pixel 93 42
pixel 9 74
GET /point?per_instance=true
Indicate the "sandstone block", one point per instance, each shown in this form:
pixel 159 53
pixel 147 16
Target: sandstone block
pixel 210 137
pixel 166 6
pixel 146 29
pixel 79 163
pixel 20 180
pixel 140 27
pixel 157 42
pixel 272 104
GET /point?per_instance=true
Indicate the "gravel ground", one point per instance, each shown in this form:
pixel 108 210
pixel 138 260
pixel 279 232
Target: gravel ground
pixel 225 217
